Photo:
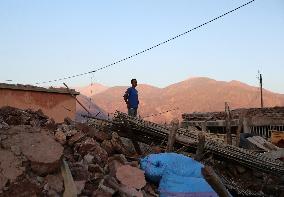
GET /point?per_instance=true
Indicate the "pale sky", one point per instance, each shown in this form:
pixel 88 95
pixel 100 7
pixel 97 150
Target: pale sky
pixel 50 39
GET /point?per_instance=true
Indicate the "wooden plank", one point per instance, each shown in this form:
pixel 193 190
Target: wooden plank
pixel 215 182
pixel 76 98
pixel 172 135
pixel 228 124
pixel 240 126
pixel 200 147
pixel 69 184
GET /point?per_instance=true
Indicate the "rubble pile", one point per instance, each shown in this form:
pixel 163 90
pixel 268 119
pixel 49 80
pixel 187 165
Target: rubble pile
pixel 275 112
pixel 14 116
pixel 242 181
pixel 208 116
pixel 36 155
pixel 39 157
pixel 243 172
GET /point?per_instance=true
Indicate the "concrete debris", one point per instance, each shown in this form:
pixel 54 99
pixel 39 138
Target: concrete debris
pixel 261 143
pixel 60 137
pixel 55 183
pixel 39 157
pixel 32 149
pixel 3 125
pixel 14 116
pixel 277 137
pixel 75 138
pixel 277 154
pixel 10 168
pixel 80 185
pixel 131 176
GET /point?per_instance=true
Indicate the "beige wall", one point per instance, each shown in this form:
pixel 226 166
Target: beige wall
pixel 52 104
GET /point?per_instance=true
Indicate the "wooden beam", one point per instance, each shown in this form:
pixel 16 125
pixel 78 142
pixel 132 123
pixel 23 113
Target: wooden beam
pixel 238 134
pixel 213 179
pixel 172 135
pixel 200 147
pixel 76 98
pixel 228 124
pixel 69 184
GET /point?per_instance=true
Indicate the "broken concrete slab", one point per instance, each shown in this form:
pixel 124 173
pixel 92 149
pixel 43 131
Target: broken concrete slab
pixel 123 189
pixel 60 137
pixel 55 182
pixel 23 188
pixel 100 136
pixel 103 189
pixel 113 166
pixel 119 157
pixel 88 159
pixel 10 167
pixel 79 171
pixel 3 125
pixel 92 147
pixel 101 193
pixel 95 168
pixel 84 128
pixel 76 138
pixel 107 145
pixel 42 151
pixel 117 144
pixel 80 185
pixel 131 176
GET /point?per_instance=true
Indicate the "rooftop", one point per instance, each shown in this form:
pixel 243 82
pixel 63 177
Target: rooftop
pixel 37 89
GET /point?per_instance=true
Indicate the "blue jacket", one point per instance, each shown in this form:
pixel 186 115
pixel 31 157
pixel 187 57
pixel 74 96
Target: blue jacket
pixel 131 95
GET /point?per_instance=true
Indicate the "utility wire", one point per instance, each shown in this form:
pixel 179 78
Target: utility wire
pixel 148 49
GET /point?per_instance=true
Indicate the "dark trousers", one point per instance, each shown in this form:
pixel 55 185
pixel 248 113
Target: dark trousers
pixel 132 112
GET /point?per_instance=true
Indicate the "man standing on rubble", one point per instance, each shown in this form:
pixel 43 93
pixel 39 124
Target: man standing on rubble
pixel 131 98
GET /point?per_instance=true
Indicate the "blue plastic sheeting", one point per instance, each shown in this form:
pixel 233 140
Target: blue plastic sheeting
pixel 177 175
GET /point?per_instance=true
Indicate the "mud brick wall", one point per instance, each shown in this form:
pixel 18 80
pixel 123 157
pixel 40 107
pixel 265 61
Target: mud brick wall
pixel 55 105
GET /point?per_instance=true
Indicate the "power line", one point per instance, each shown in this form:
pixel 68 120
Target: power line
pixel 148 49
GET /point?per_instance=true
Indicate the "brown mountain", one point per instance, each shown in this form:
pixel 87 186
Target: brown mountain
pixel 92 89
pixel 192 95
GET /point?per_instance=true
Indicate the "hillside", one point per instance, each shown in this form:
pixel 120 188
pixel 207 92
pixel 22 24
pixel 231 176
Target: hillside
pixel 91 90
pixel 195 94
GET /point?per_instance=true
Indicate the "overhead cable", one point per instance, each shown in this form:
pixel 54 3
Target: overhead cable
pixel 148 49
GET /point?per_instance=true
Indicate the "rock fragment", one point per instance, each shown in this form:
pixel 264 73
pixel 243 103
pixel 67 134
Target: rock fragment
pixel 10 167
pixel 60 137
pixel 131 176
pixel 55 183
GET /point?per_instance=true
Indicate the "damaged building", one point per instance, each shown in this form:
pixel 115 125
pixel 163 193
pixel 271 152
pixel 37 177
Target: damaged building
pixel 257 121
pixel 103 158
pixel 56 103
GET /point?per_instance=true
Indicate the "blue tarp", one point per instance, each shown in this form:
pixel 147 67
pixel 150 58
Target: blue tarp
pixel 177 175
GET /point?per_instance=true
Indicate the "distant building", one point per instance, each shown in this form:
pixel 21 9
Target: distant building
pixel 57 103
pixel 258 121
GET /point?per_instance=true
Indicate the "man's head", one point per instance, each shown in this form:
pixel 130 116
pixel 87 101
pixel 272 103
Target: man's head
pixel 134 82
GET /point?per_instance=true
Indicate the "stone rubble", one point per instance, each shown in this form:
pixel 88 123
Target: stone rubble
pixel 32 148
